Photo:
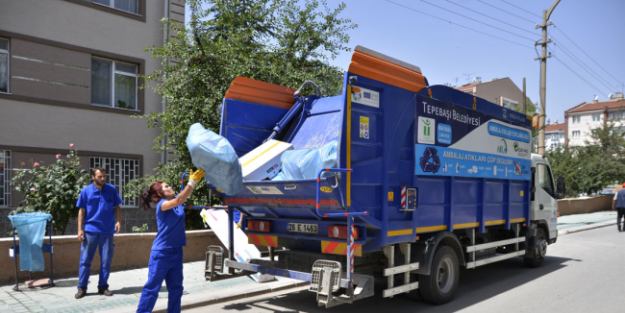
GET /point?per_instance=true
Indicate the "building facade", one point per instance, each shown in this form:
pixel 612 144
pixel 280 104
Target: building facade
pixel 581 119
pixel 554 136
pixel 70 73
pixel 501 91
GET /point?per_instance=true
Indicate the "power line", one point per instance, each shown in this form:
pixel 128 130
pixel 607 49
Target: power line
pixel 500 9
pixel 480 13
pixel 580 77
pixel 450 22
pixel 571 40
pixel 522 9
pixel 583 65
pixel 503 30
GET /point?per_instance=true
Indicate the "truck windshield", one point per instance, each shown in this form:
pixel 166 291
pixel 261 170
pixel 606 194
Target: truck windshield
pixel 545 179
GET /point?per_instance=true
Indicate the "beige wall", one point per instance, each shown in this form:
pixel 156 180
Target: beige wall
pixel 493 91
pixel 61 22
pixel 588 205
pixel 131 251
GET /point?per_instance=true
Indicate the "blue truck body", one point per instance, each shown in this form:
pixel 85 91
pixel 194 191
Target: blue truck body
pixel 428 164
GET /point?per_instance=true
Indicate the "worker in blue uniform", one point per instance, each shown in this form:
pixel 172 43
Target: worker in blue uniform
pixel 98 206
pixel 166 256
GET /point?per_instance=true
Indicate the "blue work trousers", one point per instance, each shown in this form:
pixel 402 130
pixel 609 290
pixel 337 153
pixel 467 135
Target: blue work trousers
pixel 87 250
pixel 165 265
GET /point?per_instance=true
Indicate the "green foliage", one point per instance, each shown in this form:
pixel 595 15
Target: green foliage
pixel 275 41
pixel 142 229
pixel 52 189
pixel 588 169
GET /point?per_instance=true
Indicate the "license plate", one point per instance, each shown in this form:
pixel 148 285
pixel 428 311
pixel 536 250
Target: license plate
pixel 303 228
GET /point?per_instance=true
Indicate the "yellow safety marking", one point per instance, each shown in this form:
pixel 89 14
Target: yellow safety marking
pixel 431 228
pixel 517 220
pixel 400 232
pixel 522 193
pixel 466 225
pixel 529 117
pixel 340 248
pixel 497 222
pixel 260 154
pixel 325 189
pixel 349 145
pixel 391 196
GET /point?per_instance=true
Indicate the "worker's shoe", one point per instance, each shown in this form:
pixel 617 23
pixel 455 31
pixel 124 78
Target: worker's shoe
pixel 81 293
pixel 105 291
pixel 619 227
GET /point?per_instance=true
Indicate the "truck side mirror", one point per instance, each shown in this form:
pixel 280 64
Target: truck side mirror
pixel 561 188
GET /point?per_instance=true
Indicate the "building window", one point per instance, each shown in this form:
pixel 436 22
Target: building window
pixel 596 117
pixel 113 84
pixel 576 119
pixel 118 173
pixel 576 134
pixel 131 6
pixel 5 178
pixel 615 115
pixel 509 103
pixel 4 65
pixel 554 146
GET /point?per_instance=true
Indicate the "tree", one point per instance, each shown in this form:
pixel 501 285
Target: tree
pixel 589 168
pixel 275 41
pixel 52 189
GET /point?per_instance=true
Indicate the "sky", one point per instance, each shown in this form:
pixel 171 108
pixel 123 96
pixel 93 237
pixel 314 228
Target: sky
pixel 588 52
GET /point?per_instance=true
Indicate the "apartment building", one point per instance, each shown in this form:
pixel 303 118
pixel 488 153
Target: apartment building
pixel 70 73
pixel 501 91
pixel 584 117
pixel 554 136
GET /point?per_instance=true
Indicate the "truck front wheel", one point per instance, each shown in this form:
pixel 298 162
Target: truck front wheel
pixel 439 287
pixel 540 250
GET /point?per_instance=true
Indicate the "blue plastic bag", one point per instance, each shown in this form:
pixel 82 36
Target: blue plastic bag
pixel 31 227
pixel 215 155
pixel 306 163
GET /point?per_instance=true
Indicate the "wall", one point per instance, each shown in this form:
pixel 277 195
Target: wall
pixel 587 205
pixel 584 126
pixel 493 91
pixel 131 251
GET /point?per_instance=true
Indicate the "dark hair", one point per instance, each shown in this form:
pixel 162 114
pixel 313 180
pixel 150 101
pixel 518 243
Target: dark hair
pixel 95 169
pixel 153 194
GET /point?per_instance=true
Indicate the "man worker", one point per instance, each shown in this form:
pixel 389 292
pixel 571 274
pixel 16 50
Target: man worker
pixel 618 204
pixel 98 210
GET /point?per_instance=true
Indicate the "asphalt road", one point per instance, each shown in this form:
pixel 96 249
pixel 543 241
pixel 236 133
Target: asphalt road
pixel 583 272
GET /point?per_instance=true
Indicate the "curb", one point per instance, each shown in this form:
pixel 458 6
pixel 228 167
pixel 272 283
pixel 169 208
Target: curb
pixel 585 228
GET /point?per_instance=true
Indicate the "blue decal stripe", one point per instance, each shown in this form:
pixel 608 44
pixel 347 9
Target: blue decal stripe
pixel 443 161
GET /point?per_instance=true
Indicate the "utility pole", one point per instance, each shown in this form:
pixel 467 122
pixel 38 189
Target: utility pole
pixel 543 77
pixel 523 106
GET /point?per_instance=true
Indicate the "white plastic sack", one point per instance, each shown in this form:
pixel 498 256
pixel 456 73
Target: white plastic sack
pixel 215 155
pixel 306 163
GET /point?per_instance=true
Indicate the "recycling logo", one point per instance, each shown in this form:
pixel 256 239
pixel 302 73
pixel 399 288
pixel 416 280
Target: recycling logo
pixel 430 162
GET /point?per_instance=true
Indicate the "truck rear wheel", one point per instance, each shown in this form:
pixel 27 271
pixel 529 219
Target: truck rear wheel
pixel 439 287
pixel 541 246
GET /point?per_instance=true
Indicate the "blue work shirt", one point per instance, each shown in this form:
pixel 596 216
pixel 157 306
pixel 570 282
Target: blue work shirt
pixel 100 206
pixel 171 232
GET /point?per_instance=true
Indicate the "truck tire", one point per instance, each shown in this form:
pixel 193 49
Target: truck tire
pixel 439 287
pixel 541 250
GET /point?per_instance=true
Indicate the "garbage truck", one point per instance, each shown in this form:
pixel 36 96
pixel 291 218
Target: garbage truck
pixel 426 180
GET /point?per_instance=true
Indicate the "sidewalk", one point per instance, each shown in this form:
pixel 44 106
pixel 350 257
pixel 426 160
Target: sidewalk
pixel 127 285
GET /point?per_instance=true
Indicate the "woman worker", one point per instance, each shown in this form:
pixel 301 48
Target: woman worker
pixel 166 255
